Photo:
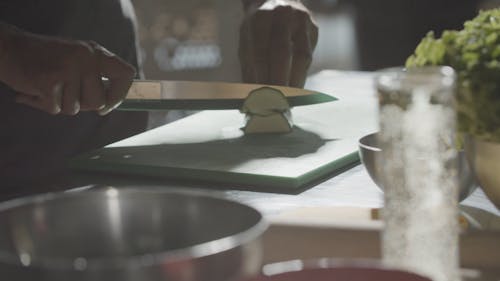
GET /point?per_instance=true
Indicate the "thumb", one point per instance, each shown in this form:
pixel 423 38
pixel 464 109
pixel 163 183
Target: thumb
pixel 120 75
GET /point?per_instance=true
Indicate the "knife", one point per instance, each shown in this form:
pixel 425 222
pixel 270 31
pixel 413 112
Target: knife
pixel 195 95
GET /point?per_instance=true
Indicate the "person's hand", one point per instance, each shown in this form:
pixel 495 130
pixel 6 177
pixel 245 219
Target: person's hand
pixel 62 76
pixel 277 40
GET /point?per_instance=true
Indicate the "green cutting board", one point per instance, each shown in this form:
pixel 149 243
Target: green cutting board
pixel 210 147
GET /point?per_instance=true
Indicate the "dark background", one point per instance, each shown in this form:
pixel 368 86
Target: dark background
pixel 197 39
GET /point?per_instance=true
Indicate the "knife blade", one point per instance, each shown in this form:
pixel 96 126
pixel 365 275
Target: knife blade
pixel 196 95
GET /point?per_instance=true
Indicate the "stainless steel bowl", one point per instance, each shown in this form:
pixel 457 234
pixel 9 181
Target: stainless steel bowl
pixel 127 235
pixel 368 149
pixel 484 158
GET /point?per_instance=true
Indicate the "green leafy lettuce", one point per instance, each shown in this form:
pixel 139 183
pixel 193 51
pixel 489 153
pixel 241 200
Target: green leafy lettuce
pixel 474 53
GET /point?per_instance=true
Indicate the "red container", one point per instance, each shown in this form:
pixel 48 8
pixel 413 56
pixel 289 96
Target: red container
pixel 333 270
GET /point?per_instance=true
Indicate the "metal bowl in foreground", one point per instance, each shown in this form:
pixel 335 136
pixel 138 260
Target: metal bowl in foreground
pixel 127 235
pixel 368 149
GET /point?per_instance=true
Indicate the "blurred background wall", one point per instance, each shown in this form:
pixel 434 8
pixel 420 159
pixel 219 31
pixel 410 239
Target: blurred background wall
pixel 198 39
pixel 189 39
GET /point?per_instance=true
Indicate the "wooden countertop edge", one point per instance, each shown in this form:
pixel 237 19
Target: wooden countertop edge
pixel 287 240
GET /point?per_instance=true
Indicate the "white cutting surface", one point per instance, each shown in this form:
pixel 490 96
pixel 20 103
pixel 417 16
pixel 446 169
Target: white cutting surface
pixel 212 140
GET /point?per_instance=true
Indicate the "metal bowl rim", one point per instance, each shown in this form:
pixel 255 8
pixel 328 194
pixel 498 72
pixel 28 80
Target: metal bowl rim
pixel 146 260
pixel 364 141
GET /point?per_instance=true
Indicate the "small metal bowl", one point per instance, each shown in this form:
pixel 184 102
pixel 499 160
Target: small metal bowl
pixel 128 235
pixel 484 158
pixel 368 149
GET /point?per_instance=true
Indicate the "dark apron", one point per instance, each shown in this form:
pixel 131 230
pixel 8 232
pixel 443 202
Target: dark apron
pixel 35 146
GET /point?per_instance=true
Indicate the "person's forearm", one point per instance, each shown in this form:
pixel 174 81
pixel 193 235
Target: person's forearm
pixel 4 37
pixel 3 33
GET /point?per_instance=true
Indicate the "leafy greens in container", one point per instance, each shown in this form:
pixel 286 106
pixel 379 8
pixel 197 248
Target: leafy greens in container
pixel 474 53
